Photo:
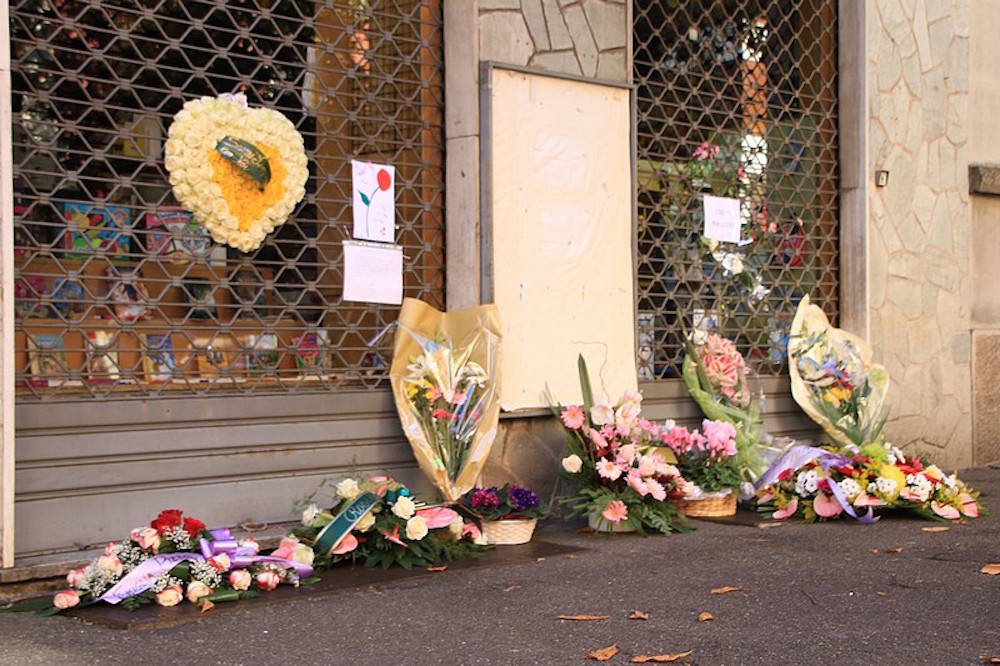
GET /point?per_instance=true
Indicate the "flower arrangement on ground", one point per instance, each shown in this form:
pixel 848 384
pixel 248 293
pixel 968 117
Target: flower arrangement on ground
pixel 877 476
pixel 707 460
pixel 834 379
pixel 508 515
pixel 621 482
pixel 377 521
pixel 718 379
pixel 444 376
pixel 240 171
pixel 175 558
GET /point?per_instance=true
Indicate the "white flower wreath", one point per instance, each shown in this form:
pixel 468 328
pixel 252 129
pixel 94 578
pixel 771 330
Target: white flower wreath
pixel 240 171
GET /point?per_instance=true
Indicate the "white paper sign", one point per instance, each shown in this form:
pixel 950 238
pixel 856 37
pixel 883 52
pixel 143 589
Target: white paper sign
pixel 722 219
pixel 374 199
pixel 373 273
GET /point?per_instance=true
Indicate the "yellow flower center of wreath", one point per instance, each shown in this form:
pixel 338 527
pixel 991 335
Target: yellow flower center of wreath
pixel 246 201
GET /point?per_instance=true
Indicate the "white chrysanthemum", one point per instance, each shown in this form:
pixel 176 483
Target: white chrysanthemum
pixel 192 138
pixel 850 488
pixel 806 483
pixel 886 486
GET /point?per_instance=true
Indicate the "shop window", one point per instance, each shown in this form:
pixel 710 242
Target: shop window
pixel 118 292
pixel 736 98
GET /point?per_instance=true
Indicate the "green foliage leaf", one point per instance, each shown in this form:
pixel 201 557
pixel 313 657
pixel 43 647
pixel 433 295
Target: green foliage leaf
pixel 585 388
pixel 40 603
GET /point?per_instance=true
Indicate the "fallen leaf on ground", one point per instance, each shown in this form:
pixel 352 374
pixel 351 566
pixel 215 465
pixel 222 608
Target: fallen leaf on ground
pixel 989 660
pixel 205 605
pixel 512 588
pixel 659 658
pixel 584 618
pixel 882 594
pixel 638 615
pixel 897 549
pixel 540 559
pixel 705 616
pixel 571 557
pixel 585 530
pixel 604 653
pixel 936 528
pixel 767 526
pixel 992 569
pixel 443 567
pixel 874 551
pixel 725 590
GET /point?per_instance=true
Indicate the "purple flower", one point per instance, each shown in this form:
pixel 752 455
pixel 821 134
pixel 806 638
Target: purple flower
pixel 484 498
pixel 522 499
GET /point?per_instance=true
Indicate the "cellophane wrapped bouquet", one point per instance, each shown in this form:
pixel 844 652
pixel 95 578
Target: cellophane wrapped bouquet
pixel 835 380
pixel 445 375
pixel 382 523
pixel 619 477
pixel 878 476
pixel 719 380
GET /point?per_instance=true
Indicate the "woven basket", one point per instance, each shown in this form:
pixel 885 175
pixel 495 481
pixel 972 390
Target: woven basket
pixel 709 507
pixel 509 532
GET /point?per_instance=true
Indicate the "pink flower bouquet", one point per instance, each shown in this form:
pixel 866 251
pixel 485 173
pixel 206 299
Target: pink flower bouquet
pixel 621 482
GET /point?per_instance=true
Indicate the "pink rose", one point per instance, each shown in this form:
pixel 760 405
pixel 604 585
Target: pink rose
pixel 66 599
pixel 268 580
pixel 75 577
pixel 170 596
pixel 240 579
pixel 110 563
pixel 220 562
pixel 196 590
pixel 147 538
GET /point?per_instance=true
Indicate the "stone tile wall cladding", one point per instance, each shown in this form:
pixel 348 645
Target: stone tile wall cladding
pixel 582 37
pixel 919 226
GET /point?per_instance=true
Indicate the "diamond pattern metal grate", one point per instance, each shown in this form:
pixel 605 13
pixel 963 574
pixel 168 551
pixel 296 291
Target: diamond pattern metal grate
pixel 735 98
pixel 117 295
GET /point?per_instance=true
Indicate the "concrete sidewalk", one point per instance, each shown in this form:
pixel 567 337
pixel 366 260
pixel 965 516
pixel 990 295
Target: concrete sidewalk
pixel 809 594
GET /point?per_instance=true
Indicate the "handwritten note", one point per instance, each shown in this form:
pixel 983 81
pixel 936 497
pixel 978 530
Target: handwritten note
pixel 374 201
pixel 373 273
pixel 722 219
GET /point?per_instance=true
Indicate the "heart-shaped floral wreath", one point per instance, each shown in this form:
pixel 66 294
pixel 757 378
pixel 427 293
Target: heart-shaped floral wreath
pixel 240 171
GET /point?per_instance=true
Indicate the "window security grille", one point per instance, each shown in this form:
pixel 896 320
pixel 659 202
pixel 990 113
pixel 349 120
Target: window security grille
pixel 735 98
pixel 116 294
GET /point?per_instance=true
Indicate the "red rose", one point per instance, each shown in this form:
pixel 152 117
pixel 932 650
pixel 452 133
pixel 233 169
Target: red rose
pixel 846 470
pixel 786 474
pixel 193 526
pixel 168 519
pixel 824 485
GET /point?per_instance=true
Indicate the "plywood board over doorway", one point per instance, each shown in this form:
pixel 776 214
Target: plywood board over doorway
pixel 558 232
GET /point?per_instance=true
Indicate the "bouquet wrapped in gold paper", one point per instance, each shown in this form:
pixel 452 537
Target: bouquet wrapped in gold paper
pixel 445 379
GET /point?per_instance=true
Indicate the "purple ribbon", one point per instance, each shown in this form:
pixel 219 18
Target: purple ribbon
pixel 244 556
pixel 800 455
pixel 143 576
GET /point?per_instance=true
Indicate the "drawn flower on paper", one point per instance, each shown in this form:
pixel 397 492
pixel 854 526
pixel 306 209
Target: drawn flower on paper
pixel 384 183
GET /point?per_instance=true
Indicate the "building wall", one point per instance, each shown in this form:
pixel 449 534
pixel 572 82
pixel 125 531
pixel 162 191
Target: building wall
pixel 920 285
pixel 984 148
pixel 586 38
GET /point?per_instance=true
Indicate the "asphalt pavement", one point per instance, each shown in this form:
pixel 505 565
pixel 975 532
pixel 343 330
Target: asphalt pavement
pixel 836 593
